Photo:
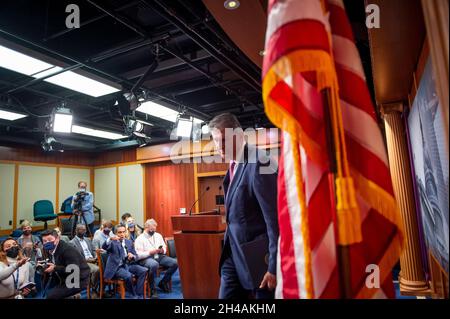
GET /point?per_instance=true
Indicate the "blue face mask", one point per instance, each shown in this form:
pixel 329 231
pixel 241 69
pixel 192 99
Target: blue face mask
pixel 130 225
pixel 49 245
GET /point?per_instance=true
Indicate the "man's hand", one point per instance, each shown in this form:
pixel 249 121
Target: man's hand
pixel 130 256
pixel 153 251
pixel 115 238
pixel 50 268
pixel 269 280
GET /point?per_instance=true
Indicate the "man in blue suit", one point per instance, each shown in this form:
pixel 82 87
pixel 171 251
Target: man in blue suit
pixel 121 263
pixel 251 204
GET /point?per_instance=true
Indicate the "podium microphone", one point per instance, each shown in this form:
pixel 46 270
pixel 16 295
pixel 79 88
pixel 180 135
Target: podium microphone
pixel 201 195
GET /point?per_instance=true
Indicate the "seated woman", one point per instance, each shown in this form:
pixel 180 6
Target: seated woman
pixel 132 229
pixel 30 244
pixel 15 279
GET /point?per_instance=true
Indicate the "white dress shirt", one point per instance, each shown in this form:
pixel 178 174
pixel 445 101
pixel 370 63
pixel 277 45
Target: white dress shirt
pixel 84 245
pixel 144 243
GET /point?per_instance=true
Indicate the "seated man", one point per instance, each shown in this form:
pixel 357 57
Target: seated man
pixel 84 246
pixel 102 234
pixel 151 250
pixel 63 258
pixel 121 263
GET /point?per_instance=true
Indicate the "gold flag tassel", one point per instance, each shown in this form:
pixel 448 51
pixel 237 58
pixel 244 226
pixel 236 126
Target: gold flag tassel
pixel 348 213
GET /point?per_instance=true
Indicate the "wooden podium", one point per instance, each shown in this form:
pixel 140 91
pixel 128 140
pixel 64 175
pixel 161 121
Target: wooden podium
pixel 198 242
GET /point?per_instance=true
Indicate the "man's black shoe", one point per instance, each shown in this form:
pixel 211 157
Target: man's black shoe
pixel 163 287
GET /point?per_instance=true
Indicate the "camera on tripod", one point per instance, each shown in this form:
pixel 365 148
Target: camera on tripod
pixel 78 202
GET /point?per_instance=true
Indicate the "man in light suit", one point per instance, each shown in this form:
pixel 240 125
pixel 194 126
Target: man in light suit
pixel 84 245
pixel 122 264
pixel 251 204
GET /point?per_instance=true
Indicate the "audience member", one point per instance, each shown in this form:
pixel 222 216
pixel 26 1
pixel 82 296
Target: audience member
pixel 151 250
pixel 15 276
pixel 132 230
pixel 84 245
pixel 121 263
pixel 102 234
pixel 62 258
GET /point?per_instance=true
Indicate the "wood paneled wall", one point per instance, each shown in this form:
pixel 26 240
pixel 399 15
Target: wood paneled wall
pixel 168 187
pixel 70 158
pixel 36 155
pixel 208 201
pixel 215 166
pixel 115 157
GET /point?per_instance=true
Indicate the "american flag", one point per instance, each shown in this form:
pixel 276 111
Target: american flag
pixel 310 49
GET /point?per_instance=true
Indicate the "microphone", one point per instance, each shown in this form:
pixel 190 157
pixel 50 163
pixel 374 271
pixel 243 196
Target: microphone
pixel 201 195
pixel 219 201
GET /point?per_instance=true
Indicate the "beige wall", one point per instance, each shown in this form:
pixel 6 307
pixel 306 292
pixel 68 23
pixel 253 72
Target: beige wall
pixel 68 181
pixel 6 195
pixel 105 194
pixel 35 183
pixel 131 193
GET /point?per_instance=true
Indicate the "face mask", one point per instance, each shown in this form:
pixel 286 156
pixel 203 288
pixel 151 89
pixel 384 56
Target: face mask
pixel 27 232
pixel 130 225
pixel 12 252
pixel 82 189
pixel 106 231
pixel 49 245
pixel 151 232
pixel 80 235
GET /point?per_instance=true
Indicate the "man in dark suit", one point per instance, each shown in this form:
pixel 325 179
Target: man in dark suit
pixel 122 263
pixel 251 204
pixel 64 259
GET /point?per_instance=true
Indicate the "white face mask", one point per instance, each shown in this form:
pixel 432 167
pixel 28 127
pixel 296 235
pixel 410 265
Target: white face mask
pixel 82 189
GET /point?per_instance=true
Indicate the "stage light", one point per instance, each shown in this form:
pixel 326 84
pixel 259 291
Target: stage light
pixel 184 126
pixel 62 120
pixel 49 144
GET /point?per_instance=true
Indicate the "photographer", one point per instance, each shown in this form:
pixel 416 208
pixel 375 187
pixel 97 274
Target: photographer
pixel 83 206
pixel 60 256
pixel 15 276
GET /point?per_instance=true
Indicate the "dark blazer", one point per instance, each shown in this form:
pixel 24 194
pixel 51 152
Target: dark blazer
pixel 116 256
pixel 251 205
pixel 65 254
pixel 76 243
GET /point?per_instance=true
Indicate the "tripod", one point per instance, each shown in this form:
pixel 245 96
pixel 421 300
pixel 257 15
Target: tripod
pixel 78 216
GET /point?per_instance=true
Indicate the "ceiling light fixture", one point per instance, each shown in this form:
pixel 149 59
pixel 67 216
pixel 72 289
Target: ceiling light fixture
pixel 11 116
pixel 158 110
pixel 97 133
pixel 78 81
pixel 231 4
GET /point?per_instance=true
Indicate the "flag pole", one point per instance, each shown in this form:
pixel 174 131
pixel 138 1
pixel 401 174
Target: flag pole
pixel 343 253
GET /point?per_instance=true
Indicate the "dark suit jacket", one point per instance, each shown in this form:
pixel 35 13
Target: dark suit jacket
pixel 251 205
pixel 116 256
pixel 76 243
pixel 65 254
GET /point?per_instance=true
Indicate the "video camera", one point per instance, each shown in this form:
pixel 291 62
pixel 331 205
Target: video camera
pixel 78 201
pixel 42 265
